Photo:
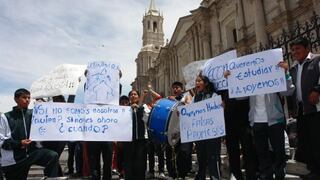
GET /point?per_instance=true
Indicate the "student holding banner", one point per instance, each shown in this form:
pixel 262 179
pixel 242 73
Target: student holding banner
pixel 267 118
pixel 154 147
pixel 238 131
pixel 118 156
pixel 208 151
pixel 306 105
pixel 135 152
pixel 182 151
pixel 56 146
pixel 19 153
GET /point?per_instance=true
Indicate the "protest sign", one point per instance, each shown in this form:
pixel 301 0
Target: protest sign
pixel 62 80
pixel 102 86
pixel 202 120
pixel 81 122
pixel 257 73
pixel 191 71
pixel 215 67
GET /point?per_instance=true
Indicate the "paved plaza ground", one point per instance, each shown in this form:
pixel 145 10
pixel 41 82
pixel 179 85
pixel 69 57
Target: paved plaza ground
pixel 294 169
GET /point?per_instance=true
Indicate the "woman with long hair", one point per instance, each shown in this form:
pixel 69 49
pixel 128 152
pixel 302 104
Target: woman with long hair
pixel 208 151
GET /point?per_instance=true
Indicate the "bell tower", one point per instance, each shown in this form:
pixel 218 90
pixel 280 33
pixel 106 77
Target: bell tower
pixel 152 41
pixel 152 27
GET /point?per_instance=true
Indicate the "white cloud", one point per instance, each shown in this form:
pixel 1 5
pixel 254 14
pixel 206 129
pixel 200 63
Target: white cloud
pixel 36 36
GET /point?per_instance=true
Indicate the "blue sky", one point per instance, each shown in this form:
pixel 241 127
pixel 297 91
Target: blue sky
pixel 38 35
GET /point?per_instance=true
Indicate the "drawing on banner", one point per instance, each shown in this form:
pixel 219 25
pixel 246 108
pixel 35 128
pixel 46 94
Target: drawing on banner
pixel 102 85
pixel 191 71
pixel 102 81
pixel 70 122
pixel 215 67
pixel 202 120
pixel 255 74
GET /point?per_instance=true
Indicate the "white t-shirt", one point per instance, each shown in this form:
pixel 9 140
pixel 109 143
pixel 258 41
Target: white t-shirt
pixel 260 111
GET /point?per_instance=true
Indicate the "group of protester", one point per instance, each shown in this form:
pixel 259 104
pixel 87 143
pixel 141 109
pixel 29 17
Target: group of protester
pixel 258 123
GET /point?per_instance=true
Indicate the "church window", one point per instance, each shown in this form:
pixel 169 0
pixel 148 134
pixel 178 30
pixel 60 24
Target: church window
pixel 155 27
pixel 148 25
pixel 235 38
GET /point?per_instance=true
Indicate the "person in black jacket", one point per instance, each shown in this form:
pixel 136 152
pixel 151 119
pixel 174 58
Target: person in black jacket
pixel 306 105
pixel 18 151
pixel 135 152
pixel 238 131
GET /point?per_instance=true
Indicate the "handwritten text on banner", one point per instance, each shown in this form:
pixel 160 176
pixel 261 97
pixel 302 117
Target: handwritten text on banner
pixel 257 73
pixel 62 80
pixel 202 120
pixel 215 67
pixel 80 122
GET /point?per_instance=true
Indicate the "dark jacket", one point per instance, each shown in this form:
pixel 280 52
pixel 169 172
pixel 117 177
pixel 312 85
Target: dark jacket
pixel 14 127
pixel 310 81
pixel 138 129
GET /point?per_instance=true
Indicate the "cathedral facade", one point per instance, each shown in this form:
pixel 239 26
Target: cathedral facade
pixel 217 26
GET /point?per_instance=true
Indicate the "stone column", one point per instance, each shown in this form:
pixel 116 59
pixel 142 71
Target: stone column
pixel 191 49
pixel 260 23
pixel 196 43
pixel 206 46
pixel 316 6
pixel 241 20
pixel 215 33
pixel 283 5
pixel 200 53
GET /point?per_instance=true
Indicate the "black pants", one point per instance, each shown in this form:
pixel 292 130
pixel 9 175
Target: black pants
pixel 95 150
pixel 75 154
pixel 234 137
pixel 309 140
pixel 56 146
pixel 274 163
pixel 42 157
pixel 135 159
pixel 179 160
pixel 208 154
pixel 155 148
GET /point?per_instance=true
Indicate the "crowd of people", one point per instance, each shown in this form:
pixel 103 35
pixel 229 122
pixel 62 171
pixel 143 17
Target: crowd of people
pixel 255 130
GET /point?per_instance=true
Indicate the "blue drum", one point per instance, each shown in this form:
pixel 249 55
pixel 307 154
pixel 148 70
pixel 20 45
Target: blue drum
pixel 163 123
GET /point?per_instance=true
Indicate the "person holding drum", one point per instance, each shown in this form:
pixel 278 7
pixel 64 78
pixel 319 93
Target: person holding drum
pixel 208 151
pixel 154 147
pixel 135 152
pixel 182 151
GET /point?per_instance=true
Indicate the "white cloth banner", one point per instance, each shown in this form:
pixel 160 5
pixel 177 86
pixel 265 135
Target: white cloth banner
pixel 63 80
pixel 257 73
pixel 191 71
pixel 215 67
pixel 202 120
pixel 81 122
pixel 102 86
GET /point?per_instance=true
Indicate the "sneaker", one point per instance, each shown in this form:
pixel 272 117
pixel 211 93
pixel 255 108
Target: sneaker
pixel 114 172
pixel 150 175
pixel 162 176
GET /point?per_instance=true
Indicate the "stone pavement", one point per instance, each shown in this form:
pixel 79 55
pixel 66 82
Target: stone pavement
pixel 294 169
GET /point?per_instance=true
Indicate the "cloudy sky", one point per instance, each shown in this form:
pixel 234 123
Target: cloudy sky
pixel 38 35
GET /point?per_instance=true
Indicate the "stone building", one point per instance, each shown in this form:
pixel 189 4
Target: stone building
pixel 153 40
pixel 217 26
